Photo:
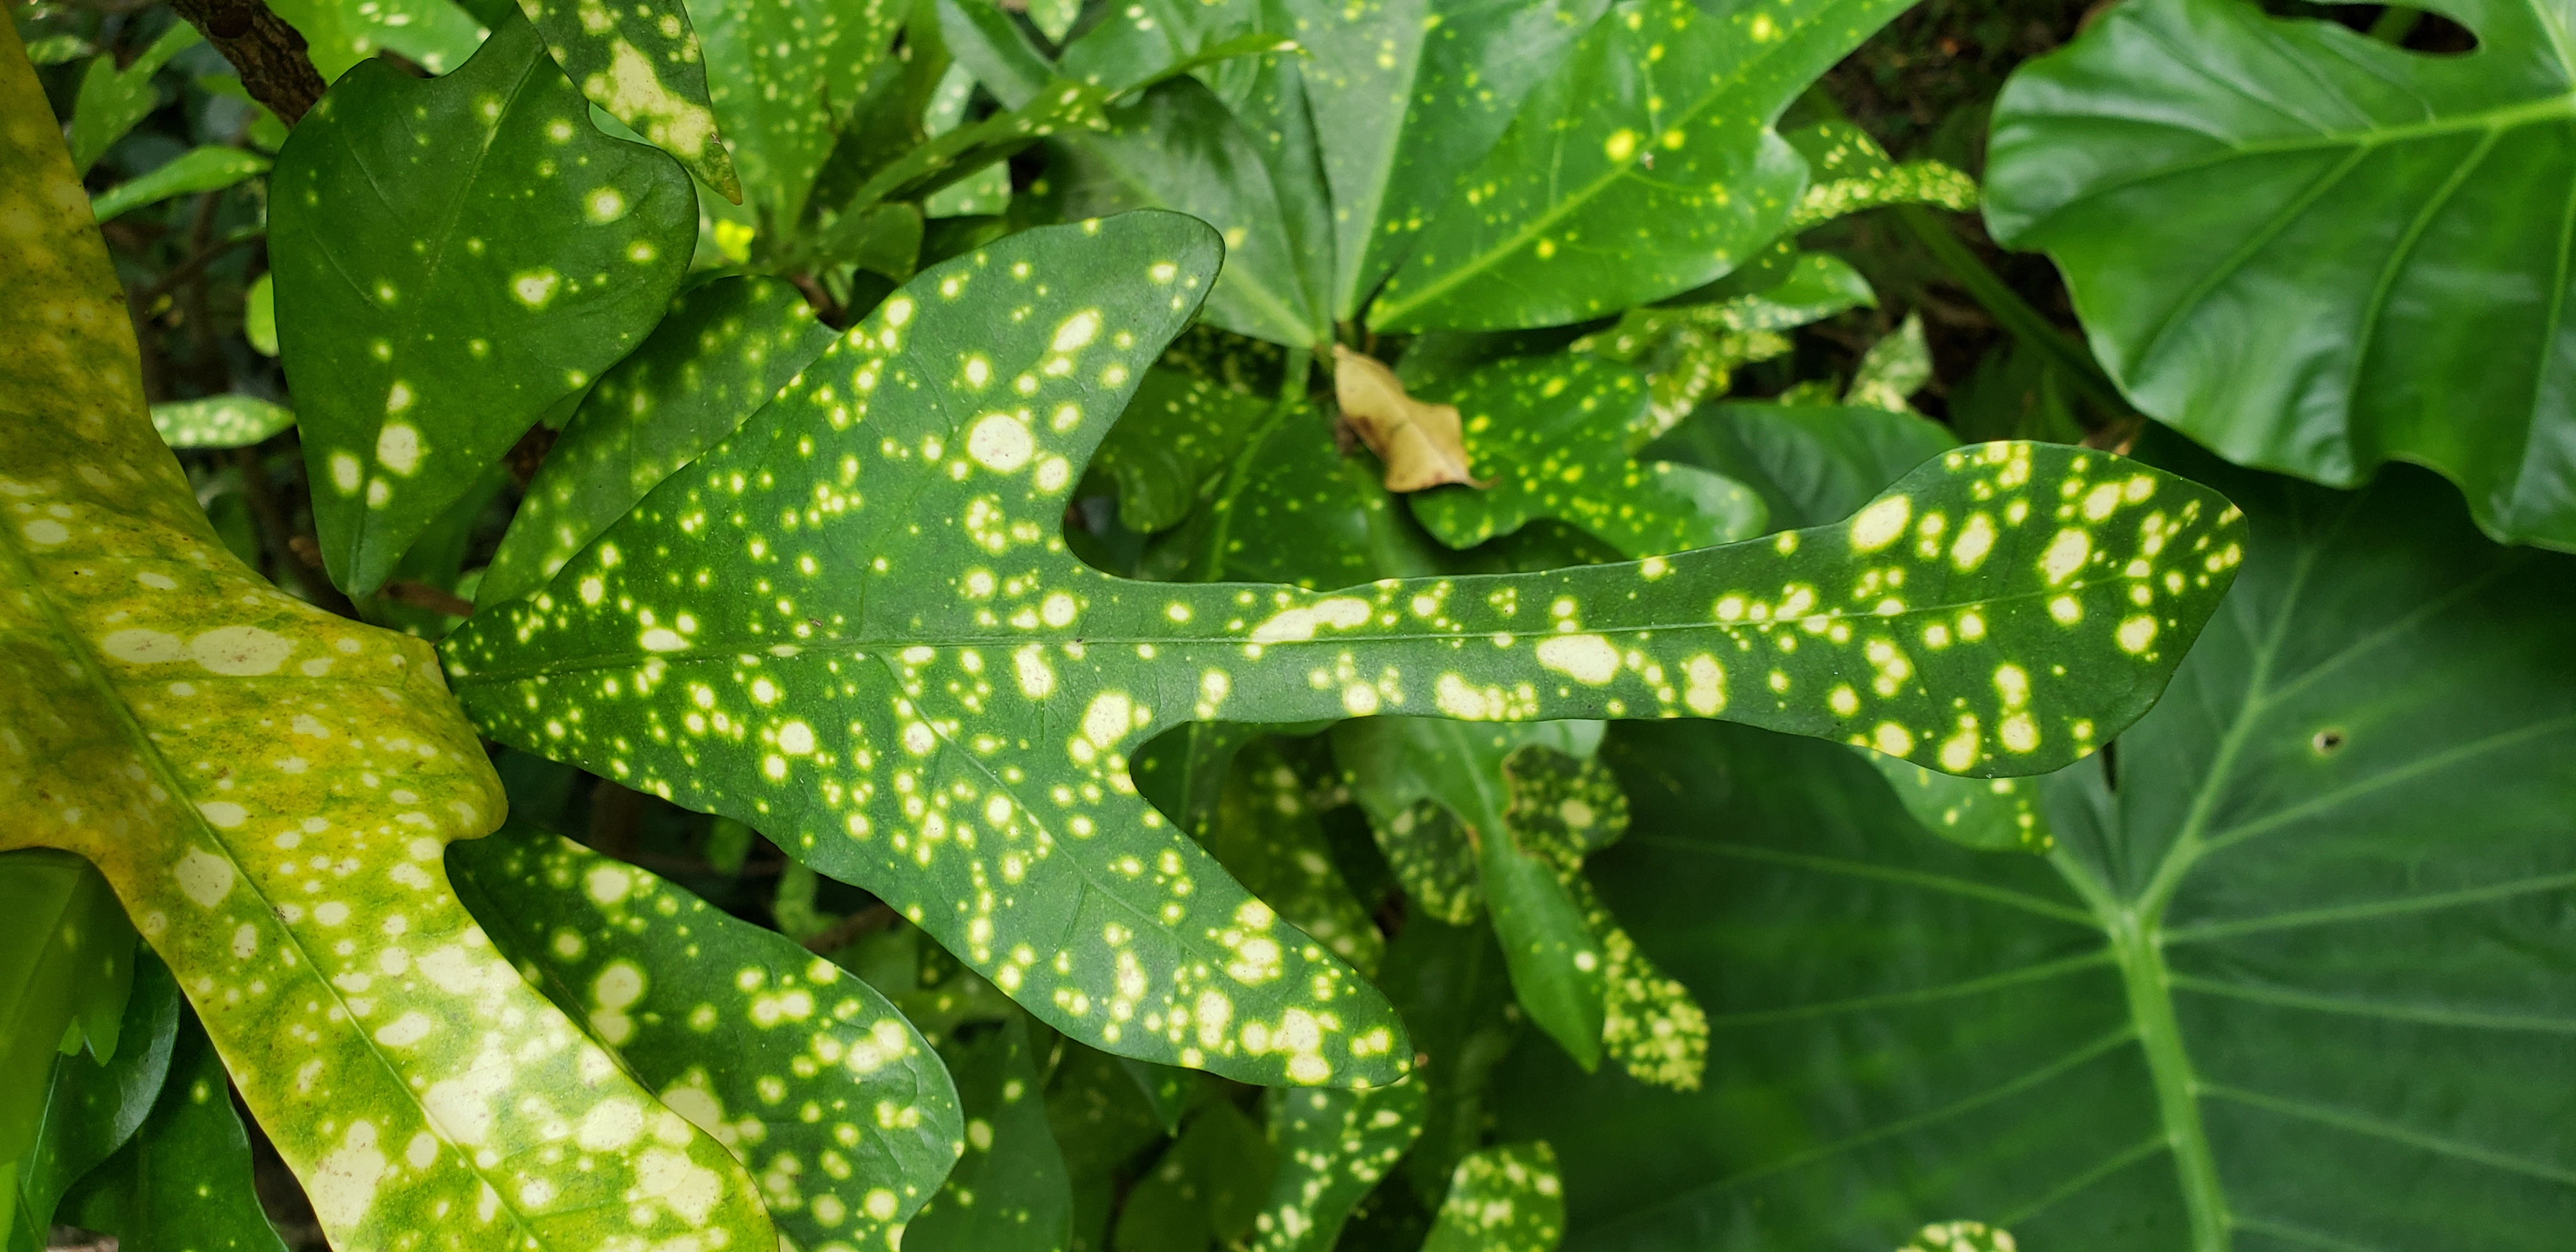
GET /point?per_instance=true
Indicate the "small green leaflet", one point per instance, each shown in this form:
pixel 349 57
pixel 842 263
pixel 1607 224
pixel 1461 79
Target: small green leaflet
pixel 506 252
pixel 208 168
pixel 1643 167
pixel 112 100
pixel 1689 352
pixel 183 1182
pixel 259 316
pixel 268 788
pixel 854 626
pixel 1552 433
pixel 228 421
pixel 639 61
pixel 722 351
pixel 1009 1191
pixel 986 191
pixel 1333 1148
pixel 812 1079
pixel 1504 1199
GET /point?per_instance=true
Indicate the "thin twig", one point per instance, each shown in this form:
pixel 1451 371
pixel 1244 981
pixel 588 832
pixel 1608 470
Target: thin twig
pixel 268 52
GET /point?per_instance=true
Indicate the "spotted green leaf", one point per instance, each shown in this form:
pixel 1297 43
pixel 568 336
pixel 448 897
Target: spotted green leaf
pixel 1269 836
pixel 1690 351
pixel 1407 96
pixel 1644 166
pixel 1505 1199
pixel 453 256
pixel 112 98
pixel 1333 1147
pixel 1101 1122
pixel 1133 42
pixel 91 1106
pixel 639 61
pixel 259 316
pixel 722 351
pixel 853 625
pixel 811 1078
pixel 987 190
pixel 437 35
pixel 1848 172
pixel 1060 106
pixel 1961 1237
pixel 63 993
pixel 183 1182
pixel 268 787
pixel 208 168
pixel 1009 1191
pixel 1552 434
pixel 1809 463
pixel 227 421
pixel 1996 814
pixel 2315 251
pixel 783 77
pixel 1895 367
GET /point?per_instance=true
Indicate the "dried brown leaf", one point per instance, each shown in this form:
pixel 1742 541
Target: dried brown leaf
pixel 1419 441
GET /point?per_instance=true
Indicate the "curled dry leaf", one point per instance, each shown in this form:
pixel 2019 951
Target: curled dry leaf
pixel 1419 442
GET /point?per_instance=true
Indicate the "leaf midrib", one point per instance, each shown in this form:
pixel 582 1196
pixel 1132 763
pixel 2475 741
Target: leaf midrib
pixel 104 688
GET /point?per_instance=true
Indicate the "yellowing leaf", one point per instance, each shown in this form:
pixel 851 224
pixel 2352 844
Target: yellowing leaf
pixel 1419 442
pixel 268 789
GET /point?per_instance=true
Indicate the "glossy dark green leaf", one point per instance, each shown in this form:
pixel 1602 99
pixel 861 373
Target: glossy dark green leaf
pixel 2275 987
pixel 1009 1191
pixel 783 77
pixel 854 626
pixel 639 61
pixel 1407 96
pixel 1134 42
pixel 208 168
pixel 1176 434
pixel 988 191
pixel 65 989
pixel 722 351
pixel 1552 436
pixel 1333 1147
pixel 807 1075
pixel 91 1105
pixel 1102 1121
pixel 113 98
pixel 452 256
pixel 1450 985
pixel 1809 463
pixel 226 421
pixel 1689 352
pixel 1505 1199
pixel 2313 251
pixel 183 1182
pixel 1643 167
pixel 1208 1186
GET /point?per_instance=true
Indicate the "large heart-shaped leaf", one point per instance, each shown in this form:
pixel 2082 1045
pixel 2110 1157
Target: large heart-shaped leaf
pixel 2269 990
pixel 854 624
pixel 452 257
pixel 1644 166
pixel 268 787
pixel 2313 251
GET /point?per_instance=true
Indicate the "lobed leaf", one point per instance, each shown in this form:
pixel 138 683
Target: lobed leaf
pixel 639 62
pixel 113 98
pixel 452 257
pixel 1177 433
pixel 1334 1147
pixel 1504 1199
pixel 722 351
pixel 807 1075
pixel 226 421
pixel 267 787
pixel 1552 433
pixel 1848 172
pixel 2313 251
pixel 853 624
pixel 1642 167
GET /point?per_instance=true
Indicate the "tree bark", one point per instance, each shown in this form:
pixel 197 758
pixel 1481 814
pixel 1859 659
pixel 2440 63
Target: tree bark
pixel 268 52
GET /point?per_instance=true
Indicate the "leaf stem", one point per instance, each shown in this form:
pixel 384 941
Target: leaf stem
pixel 2007 307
